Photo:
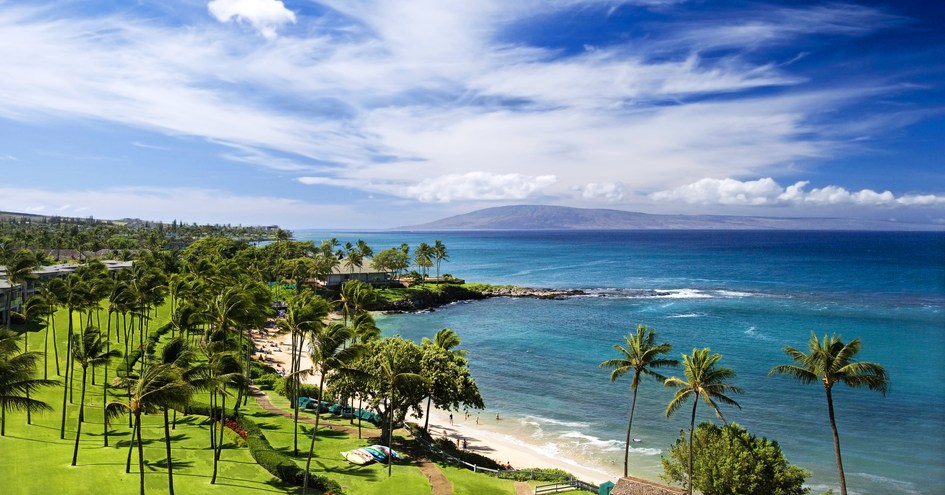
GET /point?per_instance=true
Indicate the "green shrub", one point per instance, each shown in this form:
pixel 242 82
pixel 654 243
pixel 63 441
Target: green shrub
pixel 537 474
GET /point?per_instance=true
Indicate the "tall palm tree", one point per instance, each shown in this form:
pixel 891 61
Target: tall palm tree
pixel 160 385
pixel 705 379
pixel 304 314
pixel 328 354
pixel 831 362
pixel 88 349
pixel 355 296
pixel 72 292
pixel 179 355
pixel 446 339
pixel 423 257
pixel 16 379
pixel 641 356
pixel 439 254
pixel 392 378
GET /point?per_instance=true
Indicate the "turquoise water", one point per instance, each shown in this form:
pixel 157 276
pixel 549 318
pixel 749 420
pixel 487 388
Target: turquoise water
pixel 745 295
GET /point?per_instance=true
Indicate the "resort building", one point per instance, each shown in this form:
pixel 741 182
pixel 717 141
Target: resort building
pixel 16 295
pixel 365 273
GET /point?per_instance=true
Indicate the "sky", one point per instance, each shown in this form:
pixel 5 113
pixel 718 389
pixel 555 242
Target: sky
pixel 362 114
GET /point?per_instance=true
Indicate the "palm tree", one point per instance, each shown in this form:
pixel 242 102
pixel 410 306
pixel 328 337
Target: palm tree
pixel 641 356
pixel 88 350
pixel 160 385
pixel 304 314
pixel 16 379
pixel 391 377
pixel 178 354
pixel 703 379
pixel 72 292
pixel 445 339
pixel 19 272
pixel 831 362
pixel 423 257
pixel 439 254
pixel 328 354
pixel 354 297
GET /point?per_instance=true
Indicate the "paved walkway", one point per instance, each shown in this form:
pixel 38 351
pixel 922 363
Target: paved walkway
pixel 438 482
pixel 522 488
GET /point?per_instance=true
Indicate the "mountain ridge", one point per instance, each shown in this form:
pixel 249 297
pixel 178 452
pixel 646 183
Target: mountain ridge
pixel 546 217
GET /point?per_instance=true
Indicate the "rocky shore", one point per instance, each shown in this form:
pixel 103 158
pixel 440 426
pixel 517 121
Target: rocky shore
pixel 453 293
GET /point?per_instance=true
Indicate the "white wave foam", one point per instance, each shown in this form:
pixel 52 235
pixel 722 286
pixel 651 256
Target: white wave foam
pixel 752 332
pixel 682 294
pixel 903 486
pixel 734 293
pixel 594 442
pixel 548 421
pixel 687 315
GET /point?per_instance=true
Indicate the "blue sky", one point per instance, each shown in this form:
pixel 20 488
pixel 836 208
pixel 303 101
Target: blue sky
pixel 375 113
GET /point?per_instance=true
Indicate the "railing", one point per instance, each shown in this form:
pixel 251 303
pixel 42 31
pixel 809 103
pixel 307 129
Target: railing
pixel 569 483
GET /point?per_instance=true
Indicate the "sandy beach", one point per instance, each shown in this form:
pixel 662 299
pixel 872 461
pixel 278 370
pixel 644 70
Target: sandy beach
pixel 503 448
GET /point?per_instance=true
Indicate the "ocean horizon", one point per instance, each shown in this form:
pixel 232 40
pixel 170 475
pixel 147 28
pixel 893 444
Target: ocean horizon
pixel 744 294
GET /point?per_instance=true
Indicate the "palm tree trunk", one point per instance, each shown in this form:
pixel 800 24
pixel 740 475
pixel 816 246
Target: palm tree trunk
pixel 692 425
pixel 426 421
pixel 78 429
pixel 46 351
pixel 219 447
pixel 3 419
pixel 140 452
pixel 55 345
pixel 311 448
pixel 66 380
pixel 626 453
pixel 131 444
pixel 390 431
pixel 836 442
pixel 167 445
pixel 65 397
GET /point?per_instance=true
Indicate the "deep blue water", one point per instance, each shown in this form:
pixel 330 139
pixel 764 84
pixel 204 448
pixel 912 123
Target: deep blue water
pixel 743 294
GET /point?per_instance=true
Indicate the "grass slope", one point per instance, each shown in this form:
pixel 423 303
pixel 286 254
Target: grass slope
pixel 33 459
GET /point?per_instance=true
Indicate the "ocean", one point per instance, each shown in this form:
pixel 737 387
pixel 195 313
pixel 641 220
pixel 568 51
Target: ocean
pixel 745 295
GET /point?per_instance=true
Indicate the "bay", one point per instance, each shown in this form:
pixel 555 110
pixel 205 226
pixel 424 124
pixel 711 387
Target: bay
pixel 745 295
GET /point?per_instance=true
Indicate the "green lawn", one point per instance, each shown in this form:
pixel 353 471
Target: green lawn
pixel 34 460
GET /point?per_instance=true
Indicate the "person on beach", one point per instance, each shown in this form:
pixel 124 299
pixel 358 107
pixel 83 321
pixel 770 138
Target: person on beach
pixel 451 418
pixel 477 418
pixel 496 416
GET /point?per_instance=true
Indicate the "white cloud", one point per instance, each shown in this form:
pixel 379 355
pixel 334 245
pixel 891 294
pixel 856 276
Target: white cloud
pixel 607 191
pixel 264 15
pixel 767 192
pixel 478 186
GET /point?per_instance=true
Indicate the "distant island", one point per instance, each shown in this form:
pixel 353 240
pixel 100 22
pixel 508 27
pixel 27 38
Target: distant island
pixel 543 217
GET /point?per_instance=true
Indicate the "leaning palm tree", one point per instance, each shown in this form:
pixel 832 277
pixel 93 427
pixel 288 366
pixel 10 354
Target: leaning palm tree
pixel 439 254
pixel 160 385
pixel 641 356
pixel 88 349
pixel 328 353
pixel 703 379
pixel 831 362
pixel 16 379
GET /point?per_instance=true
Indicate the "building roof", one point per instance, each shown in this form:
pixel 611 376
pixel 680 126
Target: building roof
pixel 366 267
pixel 636 486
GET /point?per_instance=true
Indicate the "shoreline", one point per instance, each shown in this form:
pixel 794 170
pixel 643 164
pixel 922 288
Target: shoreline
pixel 505 448
pixel 501 447
pixel 451 293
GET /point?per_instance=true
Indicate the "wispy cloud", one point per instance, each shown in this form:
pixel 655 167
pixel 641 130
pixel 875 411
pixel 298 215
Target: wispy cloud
pixel 428 101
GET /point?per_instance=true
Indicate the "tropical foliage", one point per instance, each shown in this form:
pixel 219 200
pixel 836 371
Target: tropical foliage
pixel 731 460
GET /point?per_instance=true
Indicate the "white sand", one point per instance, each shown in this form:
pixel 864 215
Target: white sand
pixel 502 448
pixel 507 449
